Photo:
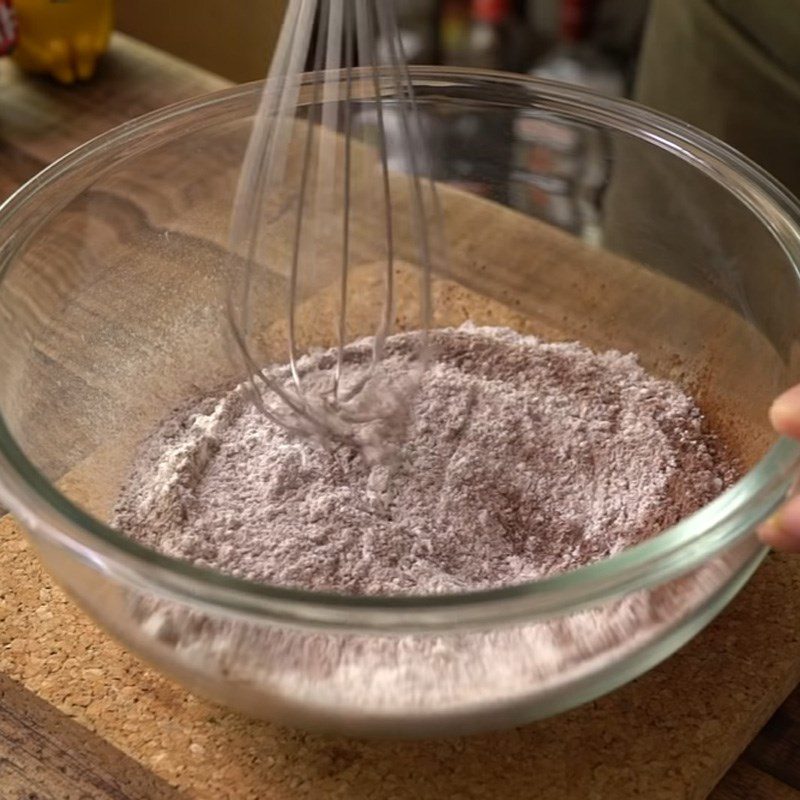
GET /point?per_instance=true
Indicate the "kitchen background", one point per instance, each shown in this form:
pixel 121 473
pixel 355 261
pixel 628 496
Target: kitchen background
pixel 555 170
pixel 436 31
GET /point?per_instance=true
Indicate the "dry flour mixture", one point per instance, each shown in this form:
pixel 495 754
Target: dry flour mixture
pixel 523 459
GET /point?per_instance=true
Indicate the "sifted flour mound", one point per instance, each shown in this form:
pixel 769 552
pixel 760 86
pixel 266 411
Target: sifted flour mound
pixel 523 459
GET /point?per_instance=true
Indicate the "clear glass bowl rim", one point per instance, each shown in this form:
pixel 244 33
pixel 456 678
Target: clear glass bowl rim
pixel 719 525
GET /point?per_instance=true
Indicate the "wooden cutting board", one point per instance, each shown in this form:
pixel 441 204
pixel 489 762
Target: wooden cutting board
pixel 671 734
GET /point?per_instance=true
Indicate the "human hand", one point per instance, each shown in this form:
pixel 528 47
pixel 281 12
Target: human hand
pixel 782 530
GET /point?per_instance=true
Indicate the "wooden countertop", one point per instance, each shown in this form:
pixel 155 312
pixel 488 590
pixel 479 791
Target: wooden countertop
pixel 48 750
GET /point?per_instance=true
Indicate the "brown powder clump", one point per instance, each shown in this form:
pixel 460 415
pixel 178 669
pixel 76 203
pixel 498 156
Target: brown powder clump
pixel 523 459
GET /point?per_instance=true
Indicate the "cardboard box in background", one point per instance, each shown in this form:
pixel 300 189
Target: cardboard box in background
pixel 233 38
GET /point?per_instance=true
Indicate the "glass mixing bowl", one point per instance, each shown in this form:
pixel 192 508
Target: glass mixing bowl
pixel 577 216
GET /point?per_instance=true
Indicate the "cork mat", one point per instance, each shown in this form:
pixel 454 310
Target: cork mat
pixel 670 734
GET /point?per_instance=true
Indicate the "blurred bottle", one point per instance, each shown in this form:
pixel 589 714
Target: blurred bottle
pixel 8 28
pixel 575 58
pixel 489 34
pixel 475 33
pixel 454 33
pixel 484 34
pixel 560 169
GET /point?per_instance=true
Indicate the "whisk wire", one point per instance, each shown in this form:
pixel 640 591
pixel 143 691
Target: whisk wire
pixel 346 32
pixel 348 153
pixel 300 217
pixel 404 90
pixel 366 30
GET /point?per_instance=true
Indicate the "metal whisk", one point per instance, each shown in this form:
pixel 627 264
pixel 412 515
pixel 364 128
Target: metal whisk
pixel 319 149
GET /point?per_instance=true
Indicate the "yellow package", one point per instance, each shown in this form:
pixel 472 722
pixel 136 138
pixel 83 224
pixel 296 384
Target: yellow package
pixel 63 38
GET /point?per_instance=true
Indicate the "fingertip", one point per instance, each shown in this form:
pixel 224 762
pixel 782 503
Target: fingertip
pixel 782 531
pixel 785 413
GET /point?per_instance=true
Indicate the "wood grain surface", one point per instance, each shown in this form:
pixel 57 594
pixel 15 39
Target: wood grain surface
pixel 769 769
pixel 48 756
pixel 670 734
pixel 45 754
